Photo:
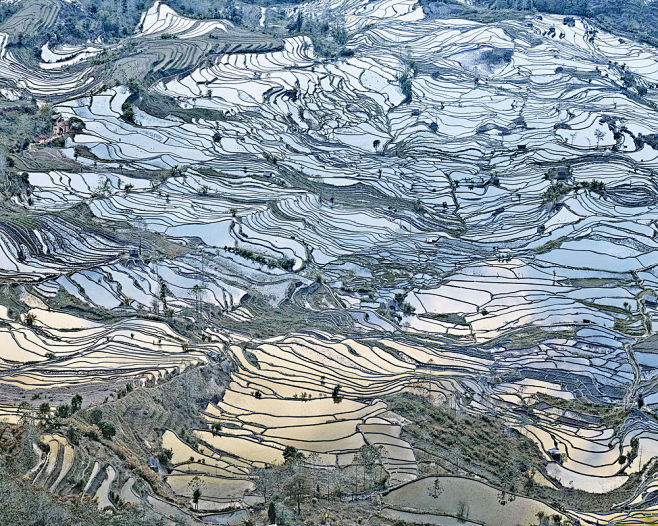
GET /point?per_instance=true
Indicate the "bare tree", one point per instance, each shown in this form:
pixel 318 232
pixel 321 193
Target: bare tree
pixel 196 292
pixel 599 136
pixel 296 489
pixel 369 457
pixel 456 454
pixel 435 488
pixel 462 509
pixel 266 481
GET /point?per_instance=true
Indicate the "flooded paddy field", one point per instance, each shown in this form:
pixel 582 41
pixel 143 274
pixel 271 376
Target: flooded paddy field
pixel 455 211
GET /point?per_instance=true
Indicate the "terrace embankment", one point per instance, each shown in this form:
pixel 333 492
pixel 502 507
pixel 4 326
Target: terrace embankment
pixel 142 414
pixel 404 204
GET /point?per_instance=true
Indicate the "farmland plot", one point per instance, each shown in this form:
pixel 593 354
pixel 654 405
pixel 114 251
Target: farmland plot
pixel 459 210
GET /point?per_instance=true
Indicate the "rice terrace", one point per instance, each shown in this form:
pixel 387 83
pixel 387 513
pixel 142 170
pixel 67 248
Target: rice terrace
pixel 338 262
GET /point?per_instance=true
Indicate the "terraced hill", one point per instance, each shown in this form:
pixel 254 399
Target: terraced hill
pixel 451 218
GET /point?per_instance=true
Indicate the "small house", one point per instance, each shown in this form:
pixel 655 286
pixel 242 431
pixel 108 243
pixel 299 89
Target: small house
pixel 133 253
pixel 562 174
pixel 555 454
pixel 434 126
pixel 415 112
pixel 559 173
pixel 650 301
pixel 154 464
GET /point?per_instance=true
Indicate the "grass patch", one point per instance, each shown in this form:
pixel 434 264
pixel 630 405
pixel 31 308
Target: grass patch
pixel 484 446
pixel 553 244
pixel 610 415
pixel 481 444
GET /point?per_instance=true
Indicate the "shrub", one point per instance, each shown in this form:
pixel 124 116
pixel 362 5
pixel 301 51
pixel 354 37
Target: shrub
pixel 108 429
pixel 63 411
pixel 76 403
pixel 95 416
pixel 165 456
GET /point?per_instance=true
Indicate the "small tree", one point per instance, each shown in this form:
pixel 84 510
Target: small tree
pixel 599 136
pixel 196 485
pixel 29 318
pixel 22 456
pixel 196 292
pixel 335 394
pixel 165 455
pixel 265 481
pixel 164 290
pixel 25 414
pixel 95 416
pixel 271 513
pixel 435 488
pixel 108 429
pixel 73 435
pixel 290 454
pixel 63 411
pixel 369 457
pixel 44 410
pixel 462 509
pixel 196 495
pixel 76 403
pixel 456 455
